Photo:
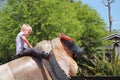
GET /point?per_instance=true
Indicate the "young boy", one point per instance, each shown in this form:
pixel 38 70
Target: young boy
pixel 22 44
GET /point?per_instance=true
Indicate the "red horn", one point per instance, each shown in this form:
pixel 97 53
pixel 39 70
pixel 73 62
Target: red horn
pixel 63 36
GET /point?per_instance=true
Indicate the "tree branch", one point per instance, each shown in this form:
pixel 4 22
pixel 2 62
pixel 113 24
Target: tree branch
pixel 111 1
pixel 103 1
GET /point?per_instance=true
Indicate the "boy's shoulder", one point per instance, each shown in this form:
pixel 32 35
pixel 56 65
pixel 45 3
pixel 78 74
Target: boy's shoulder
pixel 21 33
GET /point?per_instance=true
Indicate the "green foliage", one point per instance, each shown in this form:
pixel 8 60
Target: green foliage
pixel 94 29
pixel 47 18
pixel 99 65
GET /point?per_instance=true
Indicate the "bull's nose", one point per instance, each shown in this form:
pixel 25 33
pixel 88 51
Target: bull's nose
pixel 79 51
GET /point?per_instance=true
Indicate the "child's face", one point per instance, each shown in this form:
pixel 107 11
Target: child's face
pixel 27 33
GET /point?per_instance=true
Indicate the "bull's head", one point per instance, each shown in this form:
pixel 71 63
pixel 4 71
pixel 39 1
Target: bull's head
pixel 69 43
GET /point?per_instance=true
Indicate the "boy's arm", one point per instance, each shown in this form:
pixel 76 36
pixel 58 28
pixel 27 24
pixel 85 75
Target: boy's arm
pixel 26 41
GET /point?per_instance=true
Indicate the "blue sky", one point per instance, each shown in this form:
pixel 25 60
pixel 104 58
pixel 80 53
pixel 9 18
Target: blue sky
pixel 103 11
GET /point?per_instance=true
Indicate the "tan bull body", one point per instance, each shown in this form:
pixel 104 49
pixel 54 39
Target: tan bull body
pixel 60 66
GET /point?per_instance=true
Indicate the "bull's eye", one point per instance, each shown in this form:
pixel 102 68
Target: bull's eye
pixel 70 45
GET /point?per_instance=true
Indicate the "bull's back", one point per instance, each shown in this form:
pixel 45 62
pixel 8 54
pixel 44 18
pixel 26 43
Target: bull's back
pixel 24 68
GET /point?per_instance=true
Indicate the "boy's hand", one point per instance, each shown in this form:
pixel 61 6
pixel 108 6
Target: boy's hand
pixel 30 46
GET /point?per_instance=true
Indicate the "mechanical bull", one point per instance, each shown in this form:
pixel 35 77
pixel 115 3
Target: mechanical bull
pixel 61 65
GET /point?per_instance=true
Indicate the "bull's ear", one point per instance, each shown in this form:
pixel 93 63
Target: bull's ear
pixel 64 37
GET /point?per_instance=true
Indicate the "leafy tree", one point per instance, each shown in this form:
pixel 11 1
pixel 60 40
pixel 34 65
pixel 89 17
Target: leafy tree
pixel 47 18
pixel 94 28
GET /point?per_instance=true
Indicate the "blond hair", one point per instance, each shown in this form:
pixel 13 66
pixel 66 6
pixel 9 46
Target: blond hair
pixel 26 27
